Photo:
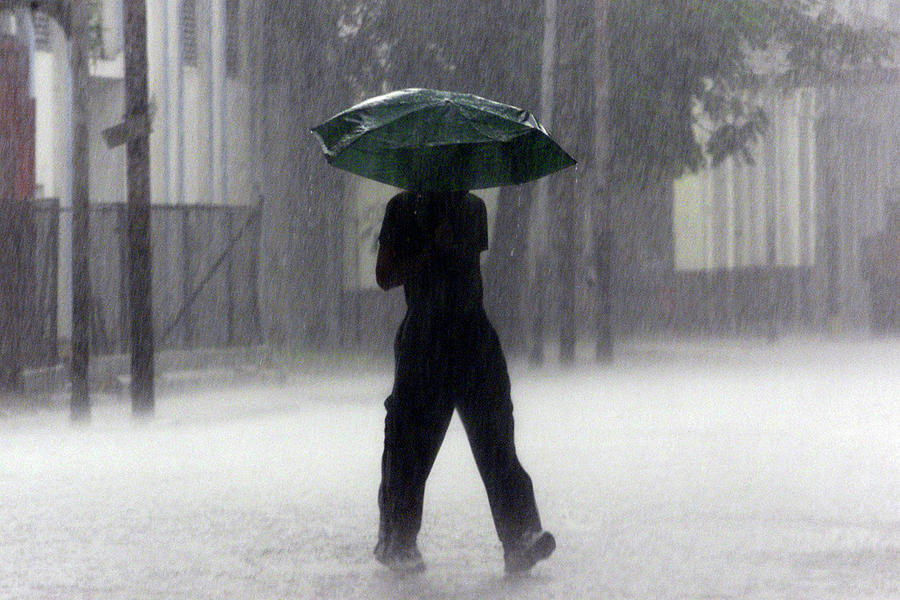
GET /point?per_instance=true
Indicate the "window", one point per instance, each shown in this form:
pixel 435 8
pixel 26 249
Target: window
pixel 95 35
pixel 41 31
pixel 232 54
pixel 189 32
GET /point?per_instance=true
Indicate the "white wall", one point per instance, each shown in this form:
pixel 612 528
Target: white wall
pixel 52 118
pixel 720 213
pixel 215 126
pixel 46 129
pixel 108 167
pixel 230 162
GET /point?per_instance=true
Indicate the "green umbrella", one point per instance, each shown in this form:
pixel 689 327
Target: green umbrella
pixel 420 139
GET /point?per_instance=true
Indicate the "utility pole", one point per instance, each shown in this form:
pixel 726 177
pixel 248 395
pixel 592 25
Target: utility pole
pixel 80 408
pixel 138 176
pixel 569 82
pixel 540 233
pixel 601 205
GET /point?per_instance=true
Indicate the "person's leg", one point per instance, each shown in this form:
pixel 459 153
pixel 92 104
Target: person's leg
pixel 414 427
pixel 411 442
pixel 486 410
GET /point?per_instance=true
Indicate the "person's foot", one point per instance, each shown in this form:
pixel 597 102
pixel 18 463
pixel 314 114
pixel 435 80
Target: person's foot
pixel 402 560
pixel 531 547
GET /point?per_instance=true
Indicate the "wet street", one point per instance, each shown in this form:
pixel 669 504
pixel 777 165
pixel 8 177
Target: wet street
pixel 684 470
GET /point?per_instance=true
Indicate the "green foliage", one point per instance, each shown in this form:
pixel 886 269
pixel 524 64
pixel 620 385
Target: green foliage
pixel 685 73
pixel 488 48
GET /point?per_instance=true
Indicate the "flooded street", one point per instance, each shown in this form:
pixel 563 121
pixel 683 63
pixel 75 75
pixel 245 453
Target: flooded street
pixel 685 470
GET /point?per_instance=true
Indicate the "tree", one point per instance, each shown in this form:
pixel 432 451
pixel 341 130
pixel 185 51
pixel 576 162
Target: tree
pixel 299 78
pixel 321 56
pixel 660 71
pixel 488 48
pixel 572 189
pixel 686 78
pixel 669 62
pixel 492 49
pixel 678 63
pixel 672 65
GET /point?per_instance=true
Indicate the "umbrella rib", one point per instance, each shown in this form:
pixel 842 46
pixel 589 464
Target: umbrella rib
pixel 483 131
pixel 351 140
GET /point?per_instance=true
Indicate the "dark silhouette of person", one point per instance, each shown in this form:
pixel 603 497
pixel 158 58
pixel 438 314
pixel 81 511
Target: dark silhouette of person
pixel 447 356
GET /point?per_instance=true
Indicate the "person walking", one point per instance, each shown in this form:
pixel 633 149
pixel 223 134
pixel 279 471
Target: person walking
pixel 447 356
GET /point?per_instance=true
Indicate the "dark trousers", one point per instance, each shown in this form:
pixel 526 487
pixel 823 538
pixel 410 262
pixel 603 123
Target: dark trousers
pixel 442 364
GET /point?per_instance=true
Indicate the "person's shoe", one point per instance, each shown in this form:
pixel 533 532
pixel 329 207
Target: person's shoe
pixel 401 560
pixel 532 547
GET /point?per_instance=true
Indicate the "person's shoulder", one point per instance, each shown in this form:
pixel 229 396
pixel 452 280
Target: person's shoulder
pixel 400 203
pixel 401 199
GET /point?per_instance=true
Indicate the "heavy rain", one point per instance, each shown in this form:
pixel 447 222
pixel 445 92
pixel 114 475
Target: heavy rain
pixel 226 361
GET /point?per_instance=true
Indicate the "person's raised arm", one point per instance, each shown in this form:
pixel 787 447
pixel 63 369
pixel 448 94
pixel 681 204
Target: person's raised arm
pixel 392 270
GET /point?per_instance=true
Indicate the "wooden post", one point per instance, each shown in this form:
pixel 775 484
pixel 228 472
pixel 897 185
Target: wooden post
pixel 138 175
pixel 538 301
pixel 771 197
pixel 81 281
pixel 603 247
pixel 804 261
pixel 229 281
pixel 253 271
pixel 186 277
pixel 122 341
pixel 53 284
pixel 548 86
pixel 602 200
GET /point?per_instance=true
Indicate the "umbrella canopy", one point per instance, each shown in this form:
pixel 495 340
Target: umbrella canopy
pixel 420 139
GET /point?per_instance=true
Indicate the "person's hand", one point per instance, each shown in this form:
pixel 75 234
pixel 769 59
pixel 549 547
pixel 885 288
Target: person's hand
pixel 443 237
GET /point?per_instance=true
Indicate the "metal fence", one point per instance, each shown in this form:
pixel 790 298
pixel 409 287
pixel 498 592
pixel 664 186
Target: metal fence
pixel 41 348
pixel 205 277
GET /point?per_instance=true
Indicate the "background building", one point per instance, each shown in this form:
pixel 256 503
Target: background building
pixel 201 144
pixel 781 241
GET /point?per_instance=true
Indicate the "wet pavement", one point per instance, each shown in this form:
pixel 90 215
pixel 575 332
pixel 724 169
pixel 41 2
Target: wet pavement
pixel 684 470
